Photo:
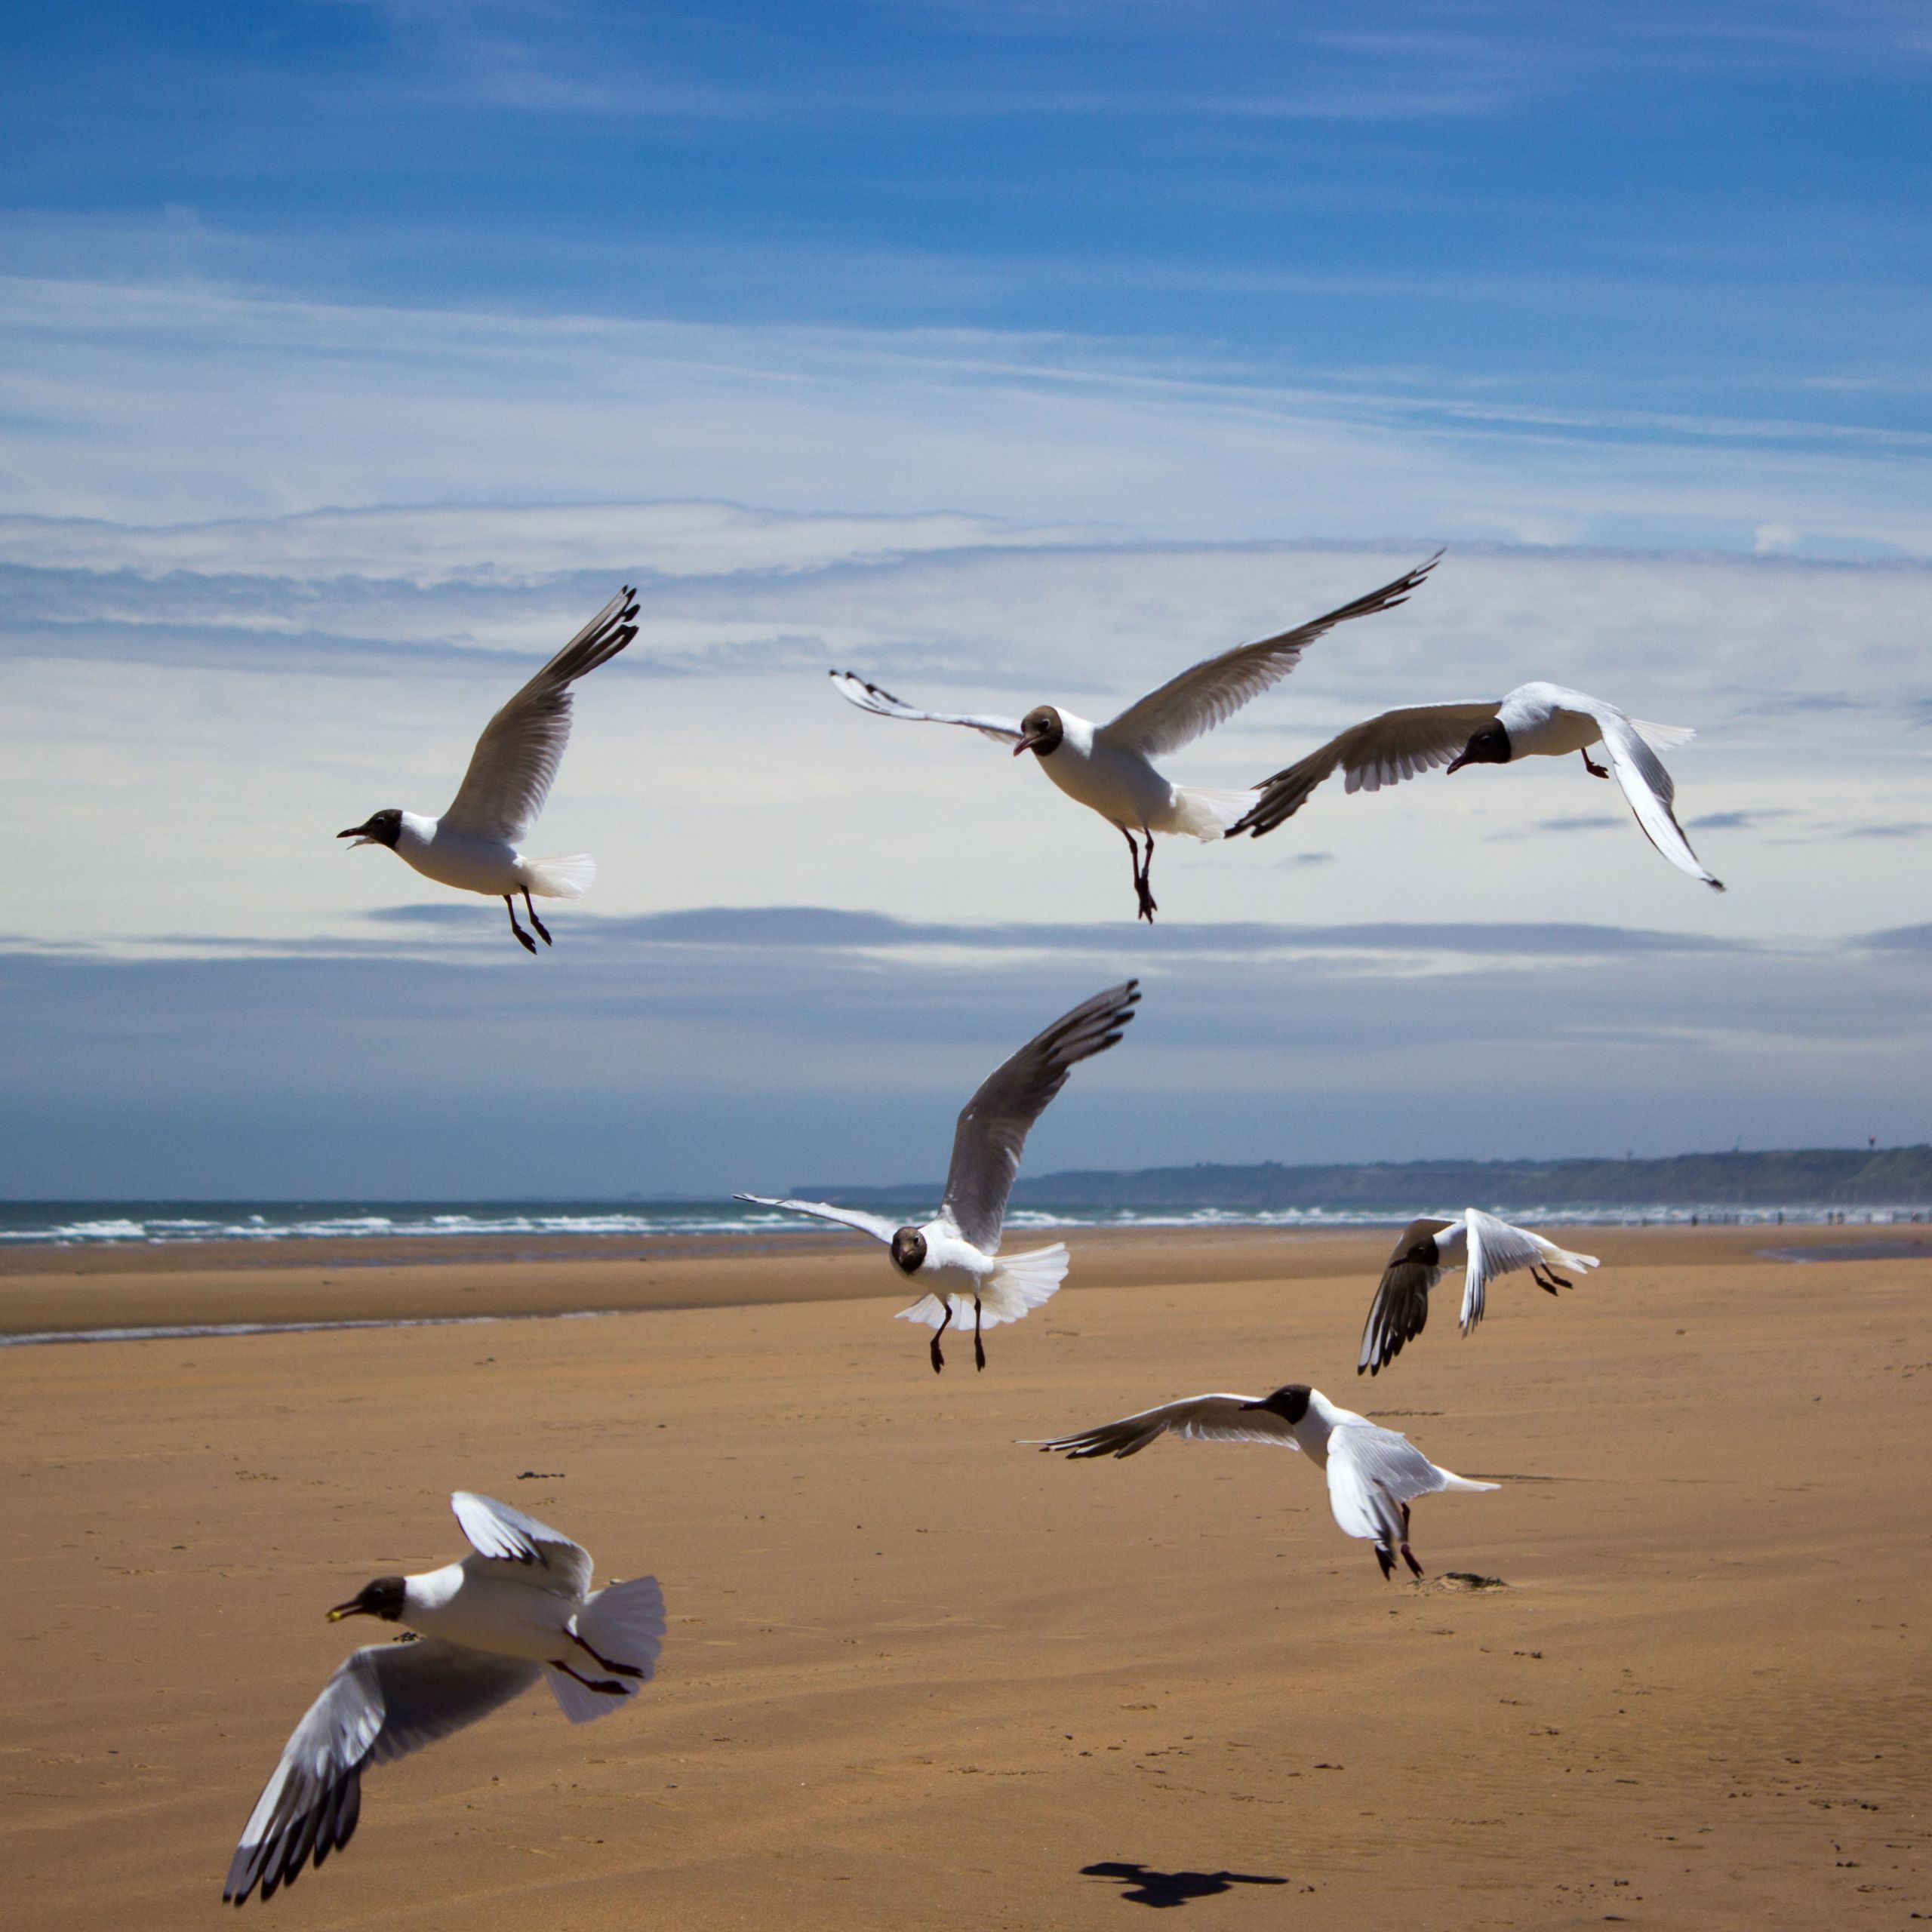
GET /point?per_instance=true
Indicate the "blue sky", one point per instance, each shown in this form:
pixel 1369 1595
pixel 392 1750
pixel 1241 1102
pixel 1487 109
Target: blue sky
pixel 349 353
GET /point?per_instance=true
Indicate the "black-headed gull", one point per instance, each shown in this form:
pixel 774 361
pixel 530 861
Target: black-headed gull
pixel 956 1255
pixel 473 846
pixel 520 1607
pixel 1374 1473
pixel 1487 1247
pixel 1534 721
pixel 1110 767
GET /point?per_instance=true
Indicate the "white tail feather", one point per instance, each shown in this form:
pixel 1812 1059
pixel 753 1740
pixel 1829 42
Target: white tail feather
pixel 562 879
pixel 1207 813
pixel 1452 1481
pixel 1018 1284
pixel 623 1623
pixel 1562 1257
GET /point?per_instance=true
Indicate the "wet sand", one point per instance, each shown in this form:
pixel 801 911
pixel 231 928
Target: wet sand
pixel 916 1676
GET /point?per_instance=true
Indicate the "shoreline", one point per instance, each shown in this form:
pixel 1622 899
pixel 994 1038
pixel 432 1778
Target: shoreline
pixel 140 1293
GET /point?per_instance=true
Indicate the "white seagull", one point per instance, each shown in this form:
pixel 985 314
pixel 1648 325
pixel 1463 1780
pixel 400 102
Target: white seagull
pixel 1110 767
pixel 1533 721
pixel 473 846
pixel 956 1255
pixel 1374 1473
pixel 1489 1248
pixel 520 1608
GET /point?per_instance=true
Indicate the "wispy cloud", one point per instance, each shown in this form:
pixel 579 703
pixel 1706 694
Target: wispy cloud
pixel 146 403
pixel 722 1048
pixel 319 666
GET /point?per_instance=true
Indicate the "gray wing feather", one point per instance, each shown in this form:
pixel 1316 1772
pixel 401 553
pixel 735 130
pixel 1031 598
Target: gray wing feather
pixel 1378 751
pixel 499 1534
pixel 516 760
pixel 991 1132
pixel 847 1217
pixel 1400 1311
pixel 1372 1473
pixel 1651 793
pixel 1496 1248
pixel 1208 694
pixel 383 1702
pixel 1218 1418
pixel 854 690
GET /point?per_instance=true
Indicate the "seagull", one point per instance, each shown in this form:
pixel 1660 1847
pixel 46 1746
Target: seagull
pixel 1534 721
pixel 1110 767
pixel 473 846
pixel 478 1633
pixel 1374 1473
pixel 957 1252
pixel 1490 1248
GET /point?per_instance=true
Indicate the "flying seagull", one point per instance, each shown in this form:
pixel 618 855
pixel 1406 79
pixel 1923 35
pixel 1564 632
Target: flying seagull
pixel 1534 721
pixel 1110 767
pixel 481 1631
pixel 955 1256
pixel 1489 1247
pixel 1374 1473
pixel 473 846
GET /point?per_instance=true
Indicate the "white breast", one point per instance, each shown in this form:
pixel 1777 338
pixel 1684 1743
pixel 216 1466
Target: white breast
pixel 1548 720
pixel 502 1614
pixel 471 865
pixel 1121 785
pixel 950 1260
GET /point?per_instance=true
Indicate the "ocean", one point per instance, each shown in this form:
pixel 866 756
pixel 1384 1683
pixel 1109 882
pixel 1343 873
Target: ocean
pixel 88 1223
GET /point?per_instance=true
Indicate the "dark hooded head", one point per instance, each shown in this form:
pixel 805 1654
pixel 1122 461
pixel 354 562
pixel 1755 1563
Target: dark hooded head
pixel 1289 1402
pixel 1041 731
pixel 383 828
pixel 909 1251
pixel 1490 746
pixel 1422 1252
pixel 383 1598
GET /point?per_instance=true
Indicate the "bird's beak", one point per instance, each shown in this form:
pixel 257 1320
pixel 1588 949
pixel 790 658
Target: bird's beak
pixel 352 1608
pixel 1456 764
pixel 360 833
pixel 1253 1405
pixel 1027 745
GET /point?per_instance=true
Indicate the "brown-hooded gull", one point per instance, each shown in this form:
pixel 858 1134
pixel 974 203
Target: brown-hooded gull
pixel 473 846
pixel 955 1256
pixel 1374 1473
pixel 1110 767
pixel 1486 1247
pixel 1533 721
pixel 482 1630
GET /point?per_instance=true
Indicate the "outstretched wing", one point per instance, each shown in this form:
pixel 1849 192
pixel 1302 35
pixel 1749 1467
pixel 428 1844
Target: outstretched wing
pixel 1212 691
pixel 854 690
pixel 1378 751
pixel 1496 1249
pixel 516 760
pixel 1198 1419
pixel 383 1702
pixel 1400 1310
pixel 1652 794
pixel 500 1534
pixel 1372 1473
pixel 993 1125
pixel 879 1229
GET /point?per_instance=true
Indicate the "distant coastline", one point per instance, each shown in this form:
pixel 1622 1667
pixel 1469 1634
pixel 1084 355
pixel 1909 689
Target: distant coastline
pixel 1807 1185
pixel 1803 1180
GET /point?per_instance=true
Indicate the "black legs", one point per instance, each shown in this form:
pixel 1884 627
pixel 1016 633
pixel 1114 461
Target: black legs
pixel 1143 869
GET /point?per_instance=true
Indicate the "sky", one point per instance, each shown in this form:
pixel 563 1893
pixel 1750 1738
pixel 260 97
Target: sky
pixel 351 355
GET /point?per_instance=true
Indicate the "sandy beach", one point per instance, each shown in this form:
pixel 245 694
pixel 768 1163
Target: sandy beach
pixel 916 1676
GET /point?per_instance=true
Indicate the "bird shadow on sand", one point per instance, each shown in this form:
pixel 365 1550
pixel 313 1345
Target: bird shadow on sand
pixel 1160 1889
